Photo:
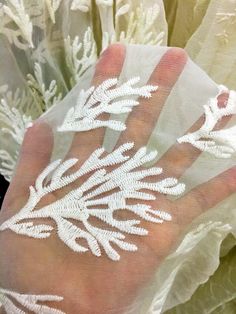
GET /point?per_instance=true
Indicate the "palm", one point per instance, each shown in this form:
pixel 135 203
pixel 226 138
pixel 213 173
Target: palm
pixel 85 277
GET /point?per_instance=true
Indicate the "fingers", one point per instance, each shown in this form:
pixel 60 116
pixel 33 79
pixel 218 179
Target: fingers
pixel 34 156
pixel 142 120
pixel 206 196
pixel 109 66
pixel 181 156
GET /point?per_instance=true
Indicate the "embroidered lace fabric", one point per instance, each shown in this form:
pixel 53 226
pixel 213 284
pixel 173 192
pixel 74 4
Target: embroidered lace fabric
pixel 138 154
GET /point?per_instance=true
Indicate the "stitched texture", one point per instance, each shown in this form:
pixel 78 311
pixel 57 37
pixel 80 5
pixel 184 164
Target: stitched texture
pixel 104 99
pixel 27 301
pixel 220 143
pixel 122 183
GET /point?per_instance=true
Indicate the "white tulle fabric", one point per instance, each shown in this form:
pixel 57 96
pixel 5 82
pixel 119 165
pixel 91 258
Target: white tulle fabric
pixel 123 174
pixel 205 28
pixel 57 41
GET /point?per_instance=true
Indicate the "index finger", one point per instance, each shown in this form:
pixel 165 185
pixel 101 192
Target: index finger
pixel 109 66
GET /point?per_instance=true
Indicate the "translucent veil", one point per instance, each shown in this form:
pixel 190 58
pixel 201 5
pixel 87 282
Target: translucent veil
pixel 132 189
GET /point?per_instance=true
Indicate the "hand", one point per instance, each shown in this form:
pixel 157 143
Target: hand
pixel 91 284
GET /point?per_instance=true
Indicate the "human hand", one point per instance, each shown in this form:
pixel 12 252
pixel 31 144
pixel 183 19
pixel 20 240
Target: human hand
pixel 91 284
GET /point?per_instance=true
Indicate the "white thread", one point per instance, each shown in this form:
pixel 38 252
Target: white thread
pixel 15 122
pixel 50 95
pixel 27 301
pixel 15 11
pixel 7 164
pixel 52 6
pixel 80 55
pixel 106 98
pixel 220 143
pixel 122 184
pixel 141 23
pixel 15 115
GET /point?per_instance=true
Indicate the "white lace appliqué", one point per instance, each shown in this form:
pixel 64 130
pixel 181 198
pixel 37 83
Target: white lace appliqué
pixel 220 143
pixel 106 98
pixel 102 195
pixel 27 301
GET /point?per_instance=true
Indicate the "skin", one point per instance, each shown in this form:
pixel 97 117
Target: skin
pixel 98 285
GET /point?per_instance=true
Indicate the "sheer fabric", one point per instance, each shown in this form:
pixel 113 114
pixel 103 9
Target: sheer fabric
pixel 45 49
pixel 134 188
pixel 206 30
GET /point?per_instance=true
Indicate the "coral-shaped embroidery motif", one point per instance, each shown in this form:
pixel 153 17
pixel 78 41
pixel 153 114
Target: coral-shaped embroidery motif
pixel 13 122
pixel 228 20
pixel 220 143
pixel 80 55
pixel 14 13
pixel 140 26
pixel 100 197
pixel 106 98
pixel 7 164
pixel 52 6
pixel 48 96
pixel 10 301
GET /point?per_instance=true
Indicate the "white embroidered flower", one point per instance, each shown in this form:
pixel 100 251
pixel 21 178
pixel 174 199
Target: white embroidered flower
pixel 124 186
pixel 220 143
pixel 106 98
pixel 10 302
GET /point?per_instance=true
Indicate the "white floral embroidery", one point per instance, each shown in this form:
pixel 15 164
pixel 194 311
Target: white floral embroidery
pixel 122 8
pixel 52 6
pixel 15 12
pixel 106 98
pixel 80 56
pixel 15 110
pixel 140 26
pixel 220 143
pixel 48 96
pixel 15 122
pixel 122 184
pixel 7 163
pixel 27 301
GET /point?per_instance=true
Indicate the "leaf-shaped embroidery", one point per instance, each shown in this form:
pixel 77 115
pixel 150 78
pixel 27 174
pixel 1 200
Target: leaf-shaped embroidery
pixel 14 120
pixel 14 12
pixel 52 6
pixel 220 143
pixel 7 164
pixel 80 55
pixel 14 123
pixel 106 98
pixel 46 96
pixel 124 185
pixel 27 301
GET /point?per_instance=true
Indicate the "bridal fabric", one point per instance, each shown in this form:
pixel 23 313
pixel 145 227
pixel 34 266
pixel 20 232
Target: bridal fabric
pixel 109 197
